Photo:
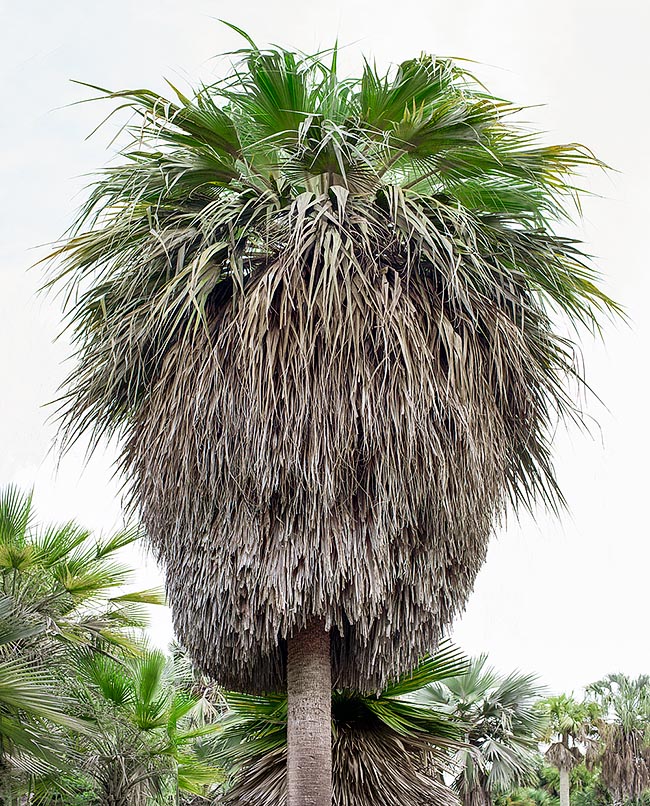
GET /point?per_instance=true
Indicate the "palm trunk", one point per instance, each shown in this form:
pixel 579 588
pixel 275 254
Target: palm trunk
pixel 5 781
pixel 564 786
pixel 309 724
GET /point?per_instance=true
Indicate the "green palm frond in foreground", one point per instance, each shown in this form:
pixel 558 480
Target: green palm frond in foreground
pixel 61 593
pixel 70 585
pixel 32 707
pixel 323 313
pixel 385 748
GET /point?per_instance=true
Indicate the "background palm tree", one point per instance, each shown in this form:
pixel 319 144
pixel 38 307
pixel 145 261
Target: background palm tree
pixel 140 749
pixel 61 592
pixel 320 312
pixel 386 748
pixel 503 727
pixel 571 726
pixel 623 752
pixel 71 584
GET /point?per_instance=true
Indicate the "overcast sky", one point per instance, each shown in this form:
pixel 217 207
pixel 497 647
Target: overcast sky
pixel 566 599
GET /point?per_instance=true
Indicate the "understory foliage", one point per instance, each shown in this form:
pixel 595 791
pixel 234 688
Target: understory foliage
pixel 88 715
pixel 322 314
pixel 140 749
pixel 585 785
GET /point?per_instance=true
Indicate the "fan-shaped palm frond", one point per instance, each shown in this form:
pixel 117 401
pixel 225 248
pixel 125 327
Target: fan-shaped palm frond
pixel 141 748
pixel 386 748
pixel 322 314
pixel 503 726
pixel 69 585
pixel 60 593
pixel 35 716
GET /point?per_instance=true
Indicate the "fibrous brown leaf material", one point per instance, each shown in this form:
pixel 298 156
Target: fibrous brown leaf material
pixel 320 315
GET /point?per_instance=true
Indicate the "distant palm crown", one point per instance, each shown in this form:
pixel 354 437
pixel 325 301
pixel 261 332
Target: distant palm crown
pixel 319 313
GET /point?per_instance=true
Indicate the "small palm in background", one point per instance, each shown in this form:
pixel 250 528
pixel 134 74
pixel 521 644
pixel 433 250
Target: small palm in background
pixel 503 726
pixel 141 749
pixel 623 753
pixel 571 725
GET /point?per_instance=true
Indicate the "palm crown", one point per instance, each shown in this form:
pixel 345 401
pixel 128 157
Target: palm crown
pixel 320 311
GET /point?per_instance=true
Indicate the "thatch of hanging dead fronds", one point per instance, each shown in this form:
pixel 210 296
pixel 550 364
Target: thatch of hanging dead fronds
pixel 320 314
pixel 370 767
pixel 563 757
pixel 385 749
pixel 622 751
pixel 624 760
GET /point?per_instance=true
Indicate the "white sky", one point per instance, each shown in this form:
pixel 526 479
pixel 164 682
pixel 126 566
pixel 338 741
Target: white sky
pixel 567 600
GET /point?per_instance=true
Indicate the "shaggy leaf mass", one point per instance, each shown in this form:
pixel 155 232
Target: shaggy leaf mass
pixel 320 313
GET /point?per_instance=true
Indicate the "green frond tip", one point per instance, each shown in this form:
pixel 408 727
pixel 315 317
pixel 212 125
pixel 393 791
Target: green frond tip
pixel 325 316
pixel 154 596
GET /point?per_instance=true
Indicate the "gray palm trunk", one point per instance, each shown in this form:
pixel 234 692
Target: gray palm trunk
pixel 564 786
pixel 309 719
pixel 477 795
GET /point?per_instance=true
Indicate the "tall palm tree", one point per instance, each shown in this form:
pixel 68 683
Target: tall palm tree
pixel 623 752
pixel 386 748
pixel 320 314
pixel 571 725
pixel 503 726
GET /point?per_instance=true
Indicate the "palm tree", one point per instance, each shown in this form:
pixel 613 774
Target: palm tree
pixel 571 725
pixel 386 748
pixel 32 709
pixel 503 726
pixel 141 749
pixel 60 592
pixel 623 752
pixel 320 314
pixel 72 585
